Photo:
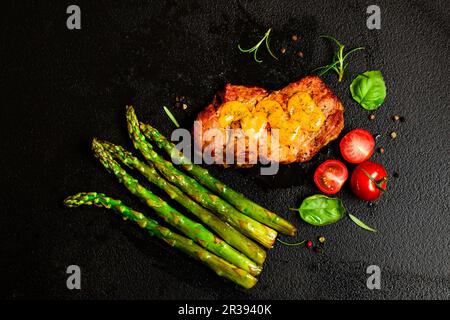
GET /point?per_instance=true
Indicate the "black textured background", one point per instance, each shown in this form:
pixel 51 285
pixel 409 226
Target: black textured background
pixel 60 88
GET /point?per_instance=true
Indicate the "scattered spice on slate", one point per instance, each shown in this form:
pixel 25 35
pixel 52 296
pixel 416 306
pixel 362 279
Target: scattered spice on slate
pixel 309 244
pixel 283 50
pixel 294 37
pixel 371 204
pixel 181 102
pixel 377 136
pixel 322 239
pixel 381 150
pixel 300 54
pixel 393 135
pixel 371 117
pixel 396 117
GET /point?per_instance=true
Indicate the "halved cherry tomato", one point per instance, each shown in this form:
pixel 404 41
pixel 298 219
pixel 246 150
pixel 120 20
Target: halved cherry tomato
pixel 330 176
pixel 369 181
pixel 357 146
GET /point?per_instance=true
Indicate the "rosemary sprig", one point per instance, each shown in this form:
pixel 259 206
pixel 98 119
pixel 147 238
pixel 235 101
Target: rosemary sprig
pixel 171 116
pixel 255 48
pixel 338 64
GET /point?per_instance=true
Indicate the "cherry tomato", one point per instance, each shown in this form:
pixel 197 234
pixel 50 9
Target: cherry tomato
pixel 330 176
pixel 369 180
pixel 357 146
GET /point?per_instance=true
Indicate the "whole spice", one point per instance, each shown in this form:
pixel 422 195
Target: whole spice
pixel 300 54
pixel 283 50
pixel 309 244
pixel 294 37
pixel 394 135
pixel 381 150
pixel 396 117
pixel 372 117
pixel 322 239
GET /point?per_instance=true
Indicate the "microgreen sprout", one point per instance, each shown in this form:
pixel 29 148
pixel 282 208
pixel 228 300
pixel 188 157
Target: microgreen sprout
pixel 338 64
pixel 255 48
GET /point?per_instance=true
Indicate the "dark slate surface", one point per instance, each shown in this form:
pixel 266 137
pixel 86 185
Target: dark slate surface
pixel 64 87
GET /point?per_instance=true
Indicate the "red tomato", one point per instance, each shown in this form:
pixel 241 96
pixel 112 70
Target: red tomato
pixel 357 146
pixel 330 176
pixel 369 180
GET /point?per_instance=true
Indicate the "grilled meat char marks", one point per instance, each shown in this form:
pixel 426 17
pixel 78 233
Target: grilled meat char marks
pixel 301 149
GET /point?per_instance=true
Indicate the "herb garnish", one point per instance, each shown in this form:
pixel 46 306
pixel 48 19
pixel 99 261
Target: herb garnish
pixel 369 89
pixel 171 116
pixel 320 210
pixel 360 223
pixel 338 59
pixel 292 244
pixel 255 48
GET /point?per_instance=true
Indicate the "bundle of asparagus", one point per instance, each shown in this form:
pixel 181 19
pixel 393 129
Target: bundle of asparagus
pixel 236 220
pixel 220 266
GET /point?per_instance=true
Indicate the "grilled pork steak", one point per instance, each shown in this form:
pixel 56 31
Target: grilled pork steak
pixel 303 117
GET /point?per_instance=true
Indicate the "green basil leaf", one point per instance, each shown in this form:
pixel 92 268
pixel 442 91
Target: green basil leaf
pixel 320 210
pixel 369 89
pixel 360 223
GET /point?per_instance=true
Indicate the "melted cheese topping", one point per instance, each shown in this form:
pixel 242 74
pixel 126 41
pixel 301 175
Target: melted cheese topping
pixel 257 122
pixel 302 114
pixel 277 119
pixel 268 107
pixel 303 110
pixel 232 111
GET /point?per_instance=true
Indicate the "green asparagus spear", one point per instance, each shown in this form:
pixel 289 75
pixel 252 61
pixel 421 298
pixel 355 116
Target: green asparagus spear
pixel 190 228
pixel 202 175
pixel 224 230
pixel 220 266
pixel 250 227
